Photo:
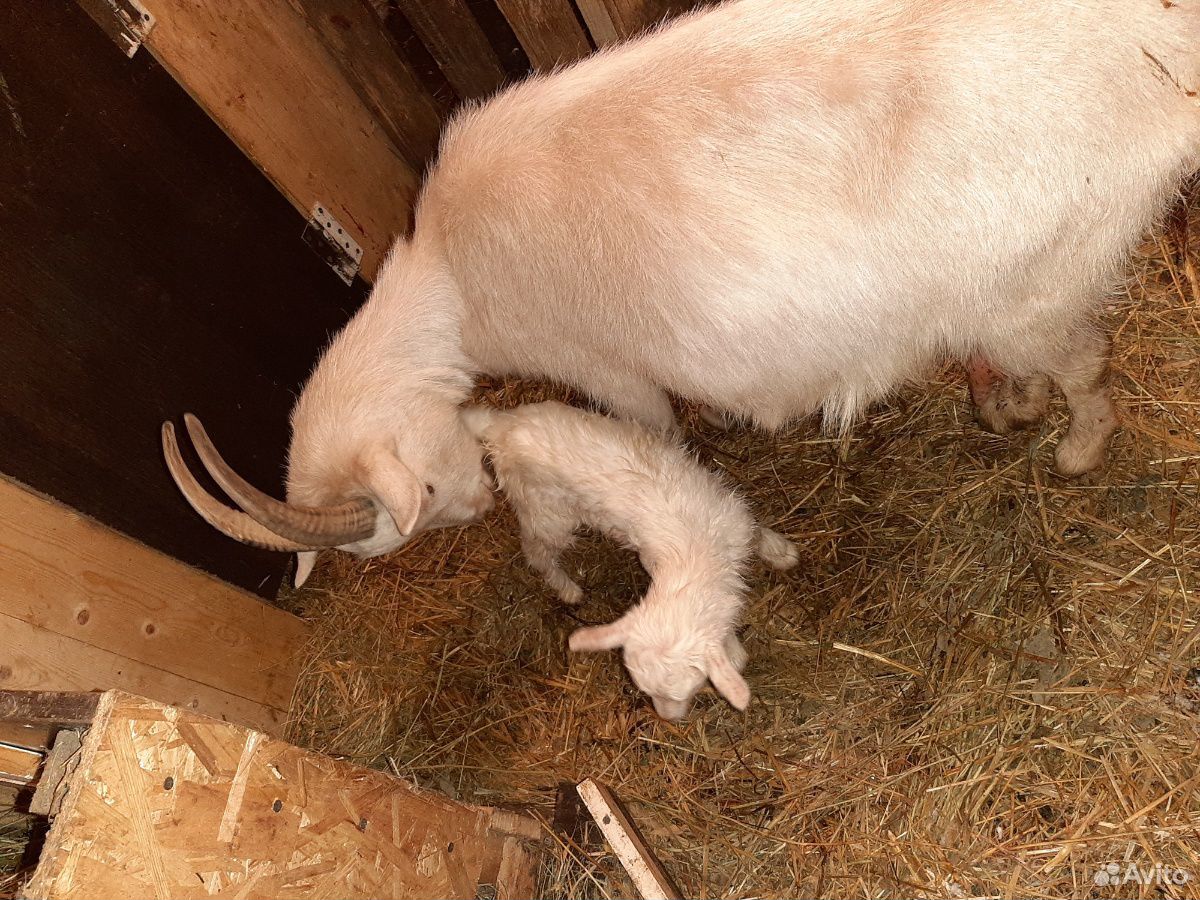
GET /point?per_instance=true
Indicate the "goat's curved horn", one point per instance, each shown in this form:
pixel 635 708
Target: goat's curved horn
pixel 230 522
pixel 320 526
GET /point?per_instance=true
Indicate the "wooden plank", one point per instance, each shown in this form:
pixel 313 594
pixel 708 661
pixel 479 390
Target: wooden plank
pixel 548 30
pixel 19 765
pixel 457 43
pixel 32 737
pixel 610 21
pixel 643 868
pixel 148 268
pixel 265 77
pixel 61 573
pixel 599 19
pixel 39 660
pixel 57 709
pixel 144 817
pixel 353 35
pixel 60 763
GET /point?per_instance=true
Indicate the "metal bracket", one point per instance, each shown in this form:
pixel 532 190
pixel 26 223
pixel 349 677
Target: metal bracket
pixel 332 243
pixel 126 22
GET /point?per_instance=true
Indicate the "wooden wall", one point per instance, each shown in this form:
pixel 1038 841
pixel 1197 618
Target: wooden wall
pixel 343 101
pixel 148 269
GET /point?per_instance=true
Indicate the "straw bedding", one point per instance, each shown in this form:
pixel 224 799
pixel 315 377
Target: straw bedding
pixel 982 680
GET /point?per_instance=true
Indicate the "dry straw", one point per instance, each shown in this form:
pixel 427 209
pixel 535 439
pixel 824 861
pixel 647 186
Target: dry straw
pixel 983 680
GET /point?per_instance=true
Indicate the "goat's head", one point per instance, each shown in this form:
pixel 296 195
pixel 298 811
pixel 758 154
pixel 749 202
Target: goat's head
pixel 668 660
pixel 379 452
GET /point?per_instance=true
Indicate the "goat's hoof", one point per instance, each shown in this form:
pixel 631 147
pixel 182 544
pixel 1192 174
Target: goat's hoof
pixel 1082 450
pixel 1011 404
pixel 572 595
pixel 714 418
pixel 777 551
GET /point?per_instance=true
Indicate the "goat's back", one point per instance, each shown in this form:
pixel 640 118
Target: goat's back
pixel 773 206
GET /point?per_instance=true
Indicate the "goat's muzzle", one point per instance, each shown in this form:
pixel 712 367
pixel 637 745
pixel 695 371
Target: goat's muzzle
pixel 262 521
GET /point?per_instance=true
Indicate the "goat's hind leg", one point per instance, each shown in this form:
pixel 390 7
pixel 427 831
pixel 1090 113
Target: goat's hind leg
pixel 777 551
pixel 542 543
pixel 636 400
pixel 1083 375
pixel 1004 404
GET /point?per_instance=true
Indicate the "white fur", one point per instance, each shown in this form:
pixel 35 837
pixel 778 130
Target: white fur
pixel 771 208
pixel 562 468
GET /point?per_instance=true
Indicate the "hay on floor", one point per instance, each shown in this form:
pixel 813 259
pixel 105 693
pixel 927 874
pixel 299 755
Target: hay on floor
pixel 982 680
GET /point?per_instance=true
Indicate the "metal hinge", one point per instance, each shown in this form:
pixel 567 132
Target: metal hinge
pixel 126 22
pixel 332 243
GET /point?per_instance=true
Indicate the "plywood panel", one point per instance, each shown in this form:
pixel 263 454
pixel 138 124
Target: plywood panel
pixel 264 75
pixel 548 30
pixel 169 804
pixel 37 660
pixel 66 575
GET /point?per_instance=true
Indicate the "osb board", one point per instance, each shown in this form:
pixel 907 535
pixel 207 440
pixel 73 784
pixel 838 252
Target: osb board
pixel 267 79
pixel 166 803
pixel 85 608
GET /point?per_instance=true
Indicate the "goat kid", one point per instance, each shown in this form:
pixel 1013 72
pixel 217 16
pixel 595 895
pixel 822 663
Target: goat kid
pixel 562 468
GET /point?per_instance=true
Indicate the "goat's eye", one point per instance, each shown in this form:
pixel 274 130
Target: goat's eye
pixel 429 489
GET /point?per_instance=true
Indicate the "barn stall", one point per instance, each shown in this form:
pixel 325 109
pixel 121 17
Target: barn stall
pixel 982 680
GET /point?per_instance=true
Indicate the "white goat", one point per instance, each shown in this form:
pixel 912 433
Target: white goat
pixel 562 468
pixel 770 208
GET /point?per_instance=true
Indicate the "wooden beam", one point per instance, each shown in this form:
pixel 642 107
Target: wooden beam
pixel 266 77
pixel 610 21
pixel 596 14
pixel 353 35
pixel 457 43
pixel 166 803
pixel 85 608
pixel 643 868
pixel 547 30
pixel 39 660
pixel 55 709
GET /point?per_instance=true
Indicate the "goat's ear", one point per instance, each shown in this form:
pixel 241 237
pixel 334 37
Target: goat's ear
pixel 726 679
pixel 395 486
pixel 600 637
pixel 305 560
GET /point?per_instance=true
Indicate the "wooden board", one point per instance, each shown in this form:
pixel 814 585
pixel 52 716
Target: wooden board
pixel 652 881
pixel 548 30
pixel 166 803
pixel 148 268
pixel 266 77
pixel 615 20
pixel 69 578
pixel 457 43
pixel 37 660
pixel 18 765
pixel 353 35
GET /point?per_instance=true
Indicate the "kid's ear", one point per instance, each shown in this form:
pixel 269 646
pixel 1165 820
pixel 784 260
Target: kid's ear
pixel 726 679
pixel 600 637
pixel 395 486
